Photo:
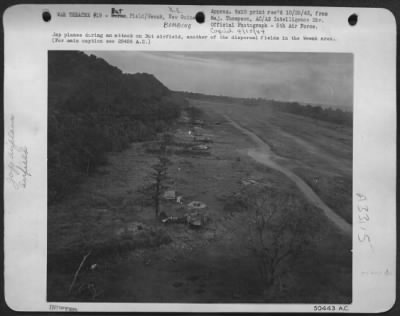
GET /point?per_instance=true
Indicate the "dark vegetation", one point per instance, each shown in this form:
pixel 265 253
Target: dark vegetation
pixel 314 111
pixel 94 108
pixel 281 228
pixel 194 114
pixel 159 175
pixel 102 241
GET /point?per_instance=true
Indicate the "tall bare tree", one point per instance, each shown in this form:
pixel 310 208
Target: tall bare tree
pixel 280 230
pixel 159 175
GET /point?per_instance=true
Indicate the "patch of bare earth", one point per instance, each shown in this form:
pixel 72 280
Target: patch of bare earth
pixel 136 258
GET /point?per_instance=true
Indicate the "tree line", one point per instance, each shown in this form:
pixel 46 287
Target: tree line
pixel 336 116
pixel 95 108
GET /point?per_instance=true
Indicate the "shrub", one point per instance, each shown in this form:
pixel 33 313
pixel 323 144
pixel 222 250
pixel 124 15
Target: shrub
pixel 94 108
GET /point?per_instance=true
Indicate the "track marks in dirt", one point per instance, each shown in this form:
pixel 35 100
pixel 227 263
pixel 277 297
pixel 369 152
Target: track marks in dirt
pixel 264 155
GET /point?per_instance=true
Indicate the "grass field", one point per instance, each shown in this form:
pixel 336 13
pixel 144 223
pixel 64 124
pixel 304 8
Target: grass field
pixel 133 257
pixel 317 151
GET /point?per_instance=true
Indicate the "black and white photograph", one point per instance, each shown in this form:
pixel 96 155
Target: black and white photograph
pixel 200 177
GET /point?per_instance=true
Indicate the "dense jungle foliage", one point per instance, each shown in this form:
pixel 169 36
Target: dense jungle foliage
pixel 94 108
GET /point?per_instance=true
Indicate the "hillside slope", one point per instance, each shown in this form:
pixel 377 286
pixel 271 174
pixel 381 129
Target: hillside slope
pixel 94 108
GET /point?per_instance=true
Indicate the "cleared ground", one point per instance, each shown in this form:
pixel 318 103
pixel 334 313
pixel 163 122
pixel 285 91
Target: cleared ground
pixel 319 152
pixel 134 257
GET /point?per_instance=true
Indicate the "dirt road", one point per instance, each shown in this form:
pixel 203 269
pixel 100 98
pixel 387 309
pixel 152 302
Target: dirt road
pixel 175 263
pixel 264 155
